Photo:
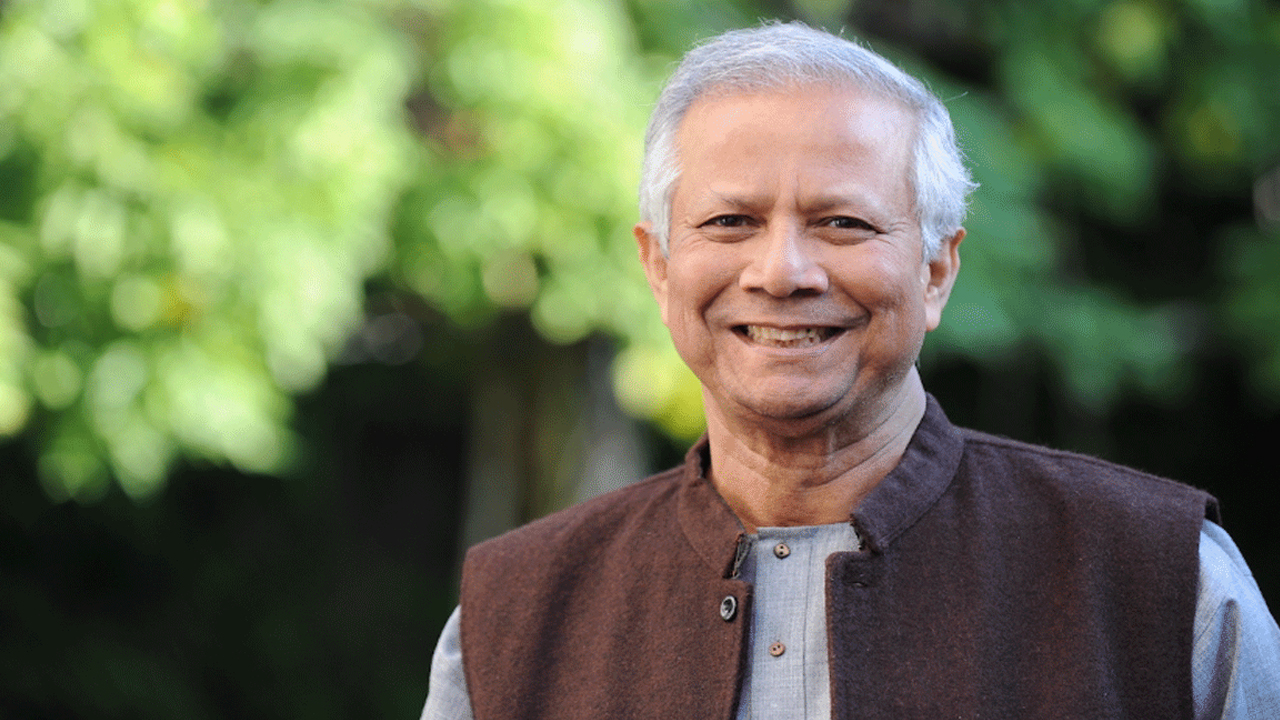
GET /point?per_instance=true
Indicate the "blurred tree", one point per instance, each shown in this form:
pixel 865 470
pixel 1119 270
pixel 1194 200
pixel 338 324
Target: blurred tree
pixel 194 199
pixel 194 196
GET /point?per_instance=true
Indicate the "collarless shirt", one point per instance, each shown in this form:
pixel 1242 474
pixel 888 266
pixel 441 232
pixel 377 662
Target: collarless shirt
pixel 789 673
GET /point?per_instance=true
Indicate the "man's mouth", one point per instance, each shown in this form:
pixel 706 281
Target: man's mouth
pixel 787 337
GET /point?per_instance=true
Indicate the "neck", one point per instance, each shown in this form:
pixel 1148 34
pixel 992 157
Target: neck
pixel 772 478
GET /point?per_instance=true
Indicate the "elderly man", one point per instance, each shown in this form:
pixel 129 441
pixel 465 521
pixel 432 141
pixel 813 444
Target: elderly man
pixel 835 547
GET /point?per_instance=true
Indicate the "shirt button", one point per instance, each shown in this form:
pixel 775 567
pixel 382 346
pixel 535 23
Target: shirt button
pixel 777 649
pixel 728 607
pixel 781 550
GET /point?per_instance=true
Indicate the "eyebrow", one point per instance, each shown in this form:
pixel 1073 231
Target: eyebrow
pixel 737 200
pixel 821 203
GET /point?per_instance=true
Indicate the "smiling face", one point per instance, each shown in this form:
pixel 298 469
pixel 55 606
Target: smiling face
pixel 795 286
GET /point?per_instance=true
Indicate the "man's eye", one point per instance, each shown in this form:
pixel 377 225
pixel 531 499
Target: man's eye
pixel 843 222
pixel 727 221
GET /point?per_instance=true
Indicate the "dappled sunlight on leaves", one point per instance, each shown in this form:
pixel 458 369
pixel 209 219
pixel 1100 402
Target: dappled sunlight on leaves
pixel 198 193
pixel 215 188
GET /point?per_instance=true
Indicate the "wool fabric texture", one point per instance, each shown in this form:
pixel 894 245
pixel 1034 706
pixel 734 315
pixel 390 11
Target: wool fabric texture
pixel 996 580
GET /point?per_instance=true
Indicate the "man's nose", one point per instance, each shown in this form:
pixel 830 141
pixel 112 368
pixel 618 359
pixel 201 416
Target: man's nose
pixel 783 264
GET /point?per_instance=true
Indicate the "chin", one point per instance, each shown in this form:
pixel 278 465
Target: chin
pixel 793 409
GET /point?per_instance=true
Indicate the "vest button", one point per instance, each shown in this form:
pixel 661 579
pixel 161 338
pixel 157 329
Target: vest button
pixel 781 550
pixel 777 649
pixel 728 607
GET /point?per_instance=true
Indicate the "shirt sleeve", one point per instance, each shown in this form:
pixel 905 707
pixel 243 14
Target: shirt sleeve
pixel 447 696
pixel 1235 663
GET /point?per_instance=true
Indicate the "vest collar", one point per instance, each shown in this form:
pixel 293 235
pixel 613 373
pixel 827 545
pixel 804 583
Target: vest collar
pixel 705 518
pixel 923 474
pixel 925 471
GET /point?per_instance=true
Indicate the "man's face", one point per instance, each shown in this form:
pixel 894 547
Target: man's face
pixel 796 287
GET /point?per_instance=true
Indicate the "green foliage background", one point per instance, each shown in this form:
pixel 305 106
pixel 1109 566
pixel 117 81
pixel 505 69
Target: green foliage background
pixel 255 255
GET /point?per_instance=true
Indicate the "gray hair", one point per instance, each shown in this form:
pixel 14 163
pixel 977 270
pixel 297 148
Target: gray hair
pixel 778 55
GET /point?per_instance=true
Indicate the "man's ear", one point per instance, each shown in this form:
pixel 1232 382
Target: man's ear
pixel 654 261
pixel 942 271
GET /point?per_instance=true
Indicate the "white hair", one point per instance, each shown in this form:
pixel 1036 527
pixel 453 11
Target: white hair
pixel 778 55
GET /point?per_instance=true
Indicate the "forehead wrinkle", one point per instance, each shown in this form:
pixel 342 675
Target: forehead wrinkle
pixel 830 198
pixel 737 198
pixel 855 199
pixel 835 200
pixel 809 177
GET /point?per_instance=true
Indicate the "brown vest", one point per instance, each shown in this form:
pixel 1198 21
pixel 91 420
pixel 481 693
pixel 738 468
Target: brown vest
pixel 999 580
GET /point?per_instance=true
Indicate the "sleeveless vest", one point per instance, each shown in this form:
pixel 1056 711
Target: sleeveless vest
pixel 997 580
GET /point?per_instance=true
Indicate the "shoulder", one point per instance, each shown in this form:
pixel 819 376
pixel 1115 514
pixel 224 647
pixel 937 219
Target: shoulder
pixel 1226 583
pixel 1070 477
pixel 1235 661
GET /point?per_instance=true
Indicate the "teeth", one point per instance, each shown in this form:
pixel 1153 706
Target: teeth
pixel 777 337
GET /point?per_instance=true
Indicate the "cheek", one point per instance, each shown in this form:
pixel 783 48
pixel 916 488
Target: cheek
pixel 886 285
pixel 698 278
pixel 682 309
